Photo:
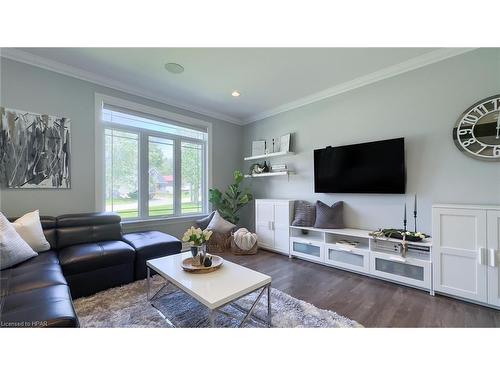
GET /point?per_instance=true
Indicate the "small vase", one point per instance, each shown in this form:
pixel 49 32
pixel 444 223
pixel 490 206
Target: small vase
pixel 202 251
pixel 195 252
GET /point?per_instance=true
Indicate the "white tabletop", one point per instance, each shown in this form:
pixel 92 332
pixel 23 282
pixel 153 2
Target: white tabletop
pixel 213 289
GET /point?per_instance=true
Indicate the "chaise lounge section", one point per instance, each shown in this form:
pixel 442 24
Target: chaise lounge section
pixel 88 254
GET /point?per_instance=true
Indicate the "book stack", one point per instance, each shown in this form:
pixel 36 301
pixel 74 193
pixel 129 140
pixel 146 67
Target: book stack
pixel 348 243
pixel 278 167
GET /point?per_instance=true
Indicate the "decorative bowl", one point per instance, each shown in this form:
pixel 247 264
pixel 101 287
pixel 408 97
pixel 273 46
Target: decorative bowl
pixel 189 266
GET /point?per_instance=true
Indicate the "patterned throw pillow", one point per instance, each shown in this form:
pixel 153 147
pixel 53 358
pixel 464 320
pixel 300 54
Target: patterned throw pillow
pixel 305 214
pixel 203 223
pixel 13 249
pixel 329 217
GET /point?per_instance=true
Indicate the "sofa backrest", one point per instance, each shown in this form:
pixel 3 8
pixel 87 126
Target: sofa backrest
pixel 49 229
pixel 74 229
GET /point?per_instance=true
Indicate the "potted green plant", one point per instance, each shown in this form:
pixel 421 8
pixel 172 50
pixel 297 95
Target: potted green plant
pixel 228 203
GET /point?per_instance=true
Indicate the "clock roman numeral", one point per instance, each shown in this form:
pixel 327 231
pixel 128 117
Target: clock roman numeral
pixel 496 104
pixel 481 109
pixel 470 119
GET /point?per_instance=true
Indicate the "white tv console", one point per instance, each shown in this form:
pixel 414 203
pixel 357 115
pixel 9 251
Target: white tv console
pixel 378 258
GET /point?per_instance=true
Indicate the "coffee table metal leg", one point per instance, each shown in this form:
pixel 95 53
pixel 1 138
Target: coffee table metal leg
pixel 269 305
pixel 148 282
pixel 249 313
pixel 211 314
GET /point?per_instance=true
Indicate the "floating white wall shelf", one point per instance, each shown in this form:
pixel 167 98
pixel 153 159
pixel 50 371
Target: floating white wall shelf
pixel 269 174
pixel 270 155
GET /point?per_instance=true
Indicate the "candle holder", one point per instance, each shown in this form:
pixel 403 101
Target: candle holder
pixel 404 220
pixel 415 212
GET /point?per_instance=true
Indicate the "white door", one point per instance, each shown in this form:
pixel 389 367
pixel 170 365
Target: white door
pixel 264 217
pixel 281 227
pixel 459 252
pixel 493 219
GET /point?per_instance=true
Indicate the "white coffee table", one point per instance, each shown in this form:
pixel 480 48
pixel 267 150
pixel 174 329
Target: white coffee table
pixel 216 289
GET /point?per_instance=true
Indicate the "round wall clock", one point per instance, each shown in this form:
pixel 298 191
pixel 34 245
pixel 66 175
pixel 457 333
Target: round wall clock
pixel 477 131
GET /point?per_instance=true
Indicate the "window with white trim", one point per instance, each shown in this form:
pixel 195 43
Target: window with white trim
pixel 154 167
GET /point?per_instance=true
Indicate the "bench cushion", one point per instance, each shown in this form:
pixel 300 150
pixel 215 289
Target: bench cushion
pixel 150 245
pixel 92 256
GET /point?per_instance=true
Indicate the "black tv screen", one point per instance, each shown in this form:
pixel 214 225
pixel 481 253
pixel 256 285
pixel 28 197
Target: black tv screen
pixel 373 167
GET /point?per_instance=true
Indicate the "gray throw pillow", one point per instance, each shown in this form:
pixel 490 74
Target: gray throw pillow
pixel 329 217
pixel 305 214
pixel 13 249
pixel 203 223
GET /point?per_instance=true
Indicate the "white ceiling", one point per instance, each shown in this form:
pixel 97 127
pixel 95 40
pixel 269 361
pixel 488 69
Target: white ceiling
pixel 270 79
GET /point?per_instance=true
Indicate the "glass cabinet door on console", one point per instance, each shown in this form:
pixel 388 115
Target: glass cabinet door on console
pixel 352 259
pixel 307 249
pixel 405 270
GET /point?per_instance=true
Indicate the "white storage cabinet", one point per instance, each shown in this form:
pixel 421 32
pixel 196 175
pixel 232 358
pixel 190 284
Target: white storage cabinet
pixel 272 222
pixel 466 252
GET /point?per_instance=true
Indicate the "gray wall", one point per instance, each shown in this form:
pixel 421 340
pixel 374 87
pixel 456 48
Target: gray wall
pixel 422 106
pixel 38 90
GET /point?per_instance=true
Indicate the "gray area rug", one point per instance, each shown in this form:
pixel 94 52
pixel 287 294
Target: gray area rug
pixel 127 306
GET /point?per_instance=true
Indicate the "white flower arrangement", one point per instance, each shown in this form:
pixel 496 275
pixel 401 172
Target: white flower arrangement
pixel 196 236
pixel 399 234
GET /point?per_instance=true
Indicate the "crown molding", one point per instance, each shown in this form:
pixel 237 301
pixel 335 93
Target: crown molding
pixel 391 71
pixel 57 67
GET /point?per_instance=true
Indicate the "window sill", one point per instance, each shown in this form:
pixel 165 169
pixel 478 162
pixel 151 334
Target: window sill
pixel 162 220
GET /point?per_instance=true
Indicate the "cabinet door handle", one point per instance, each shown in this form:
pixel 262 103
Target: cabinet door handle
pixel 272 225
pixel 339 248
pixel 492 258
pixel 482 256
pixel 399 260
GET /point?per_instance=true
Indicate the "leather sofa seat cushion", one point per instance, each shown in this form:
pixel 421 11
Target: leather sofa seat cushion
pixel 150 245
pixel 47 257
pixel 36 276
pixel 45 307
pixel 92 256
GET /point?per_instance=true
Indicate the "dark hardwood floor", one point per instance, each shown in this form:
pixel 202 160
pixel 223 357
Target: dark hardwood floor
pixel 371 302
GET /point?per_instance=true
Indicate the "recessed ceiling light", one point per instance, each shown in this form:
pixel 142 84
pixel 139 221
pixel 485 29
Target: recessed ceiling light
pixel 235 93
pixel 174 68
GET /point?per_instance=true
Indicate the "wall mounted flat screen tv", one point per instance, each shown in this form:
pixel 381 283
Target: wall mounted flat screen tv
pixel 373 167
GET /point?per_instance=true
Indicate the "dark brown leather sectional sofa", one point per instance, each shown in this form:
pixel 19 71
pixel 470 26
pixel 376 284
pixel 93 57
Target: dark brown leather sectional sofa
pixel 88 254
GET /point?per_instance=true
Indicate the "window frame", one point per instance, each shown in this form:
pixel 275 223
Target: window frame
pixel 143 153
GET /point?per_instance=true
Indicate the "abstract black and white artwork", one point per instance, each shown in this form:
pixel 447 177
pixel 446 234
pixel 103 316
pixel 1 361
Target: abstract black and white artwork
pixel 35 150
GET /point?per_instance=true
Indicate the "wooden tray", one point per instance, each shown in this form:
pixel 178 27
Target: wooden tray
pixel 187 265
